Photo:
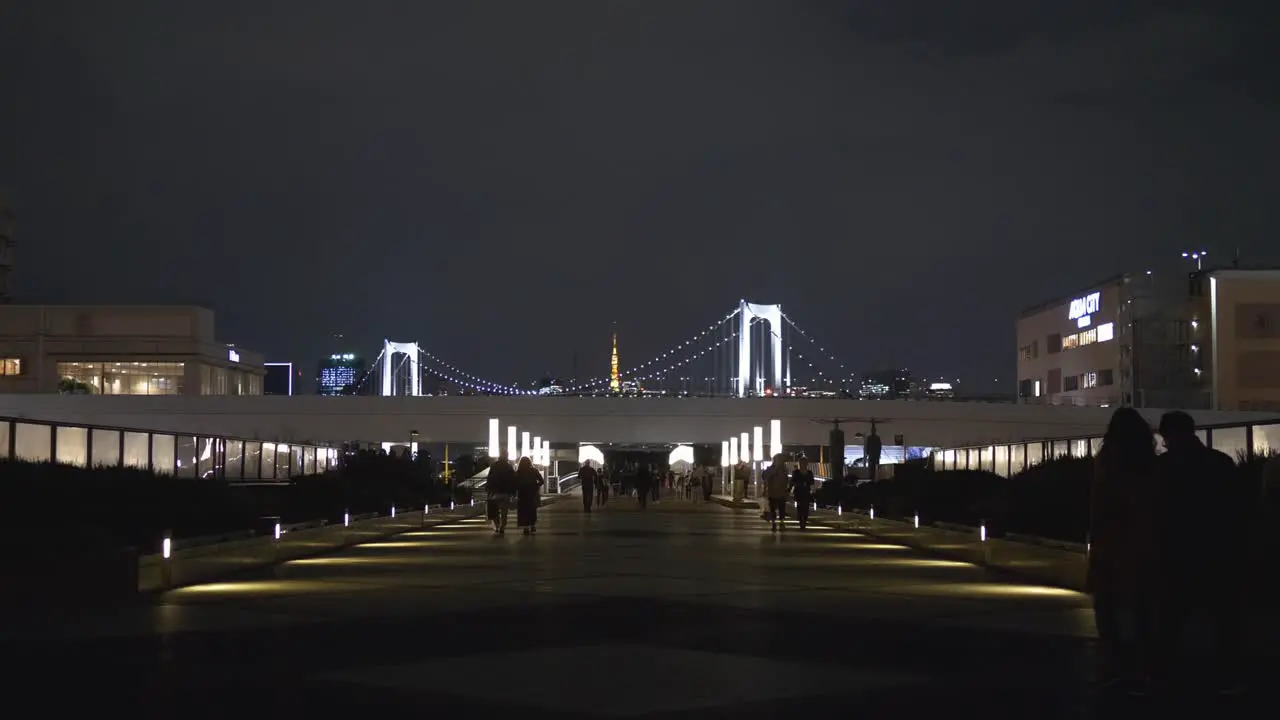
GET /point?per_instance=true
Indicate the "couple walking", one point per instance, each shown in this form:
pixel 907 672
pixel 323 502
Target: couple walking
pixel 1170 541
pixel 779 486
pixel 524 483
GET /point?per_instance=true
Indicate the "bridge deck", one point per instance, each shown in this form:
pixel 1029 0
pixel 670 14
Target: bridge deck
pixel 676 610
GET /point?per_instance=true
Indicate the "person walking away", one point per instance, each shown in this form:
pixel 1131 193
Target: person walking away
pixel 589 479
pixel 776 486
pixel 707 484
pixel 529 484
pixel 1123 550
pixel 642 480
pixel 1206 570
pixel 500 485
pixel 695 484
pixel 602 488
pixel 802 489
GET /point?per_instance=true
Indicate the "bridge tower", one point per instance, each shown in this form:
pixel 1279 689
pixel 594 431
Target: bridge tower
pixel 772 315
pixel 389 350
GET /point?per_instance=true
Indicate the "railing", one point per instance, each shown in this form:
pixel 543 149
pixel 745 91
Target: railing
pixel 186 456
pixel 1239 440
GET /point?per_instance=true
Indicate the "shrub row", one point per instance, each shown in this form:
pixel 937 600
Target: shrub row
pixel 138 508
pixel 1049 500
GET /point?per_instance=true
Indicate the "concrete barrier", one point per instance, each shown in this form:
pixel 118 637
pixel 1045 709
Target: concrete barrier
pixel 1049 561
pixel 186 566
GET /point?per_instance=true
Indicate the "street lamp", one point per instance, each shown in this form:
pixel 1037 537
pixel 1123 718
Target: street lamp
pixel 1198 256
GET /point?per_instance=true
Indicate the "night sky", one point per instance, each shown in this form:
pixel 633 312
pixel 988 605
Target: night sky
pixel 501 181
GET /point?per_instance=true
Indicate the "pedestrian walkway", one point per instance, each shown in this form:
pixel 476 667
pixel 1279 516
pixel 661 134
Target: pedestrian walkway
pixel 680 610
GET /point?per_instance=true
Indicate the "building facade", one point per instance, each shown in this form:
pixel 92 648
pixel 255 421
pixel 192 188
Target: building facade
pixel 340 374
pixel 1207 340
pixel 121 350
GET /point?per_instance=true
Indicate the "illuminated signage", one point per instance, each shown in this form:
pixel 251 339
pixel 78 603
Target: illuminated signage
pixel 233 356
pixel 346 356
pixel 1082 306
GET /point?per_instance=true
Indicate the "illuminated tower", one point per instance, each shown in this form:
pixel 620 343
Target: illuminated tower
pixel 614 384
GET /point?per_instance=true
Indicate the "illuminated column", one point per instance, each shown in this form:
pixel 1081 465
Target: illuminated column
pixel 725 462
pixel 757 443
pixel 546 453
pixel 511 443
pixel 536 449
pixel 775 437
pixel 733 451
pixel 744 448
pixel 495 441
pixel 524 445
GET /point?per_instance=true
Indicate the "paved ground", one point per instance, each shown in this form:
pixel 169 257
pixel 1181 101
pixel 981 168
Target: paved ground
pixel 679 611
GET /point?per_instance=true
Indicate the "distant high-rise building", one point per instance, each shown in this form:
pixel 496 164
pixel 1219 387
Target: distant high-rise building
pixel 6 252
pixel 887 385
pixel 279 379
pixel 340 374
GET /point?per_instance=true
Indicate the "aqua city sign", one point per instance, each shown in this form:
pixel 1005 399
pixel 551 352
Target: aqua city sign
pixel 1083 307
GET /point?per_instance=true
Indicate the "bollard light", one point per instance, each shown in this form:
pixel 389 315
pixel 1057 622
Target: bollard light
pixel 426 509
pixel 815 505
pixel 393 511
pixel 473 501
pixel 277 531
pixel 839 509
pixel 982 531
pixel 915 520
pixel 166 548
pixel 346 519
pixel 451 505
pixel 873 512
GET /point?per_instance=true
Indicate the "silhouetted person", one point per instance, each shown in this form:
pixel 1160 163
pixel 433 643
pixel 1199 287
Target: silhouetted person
pixel 602 487
pixel 644 482
pixel 776 486
pixel 1123 552
pixel 802 482
pixel 529 484
pixel 1205 533
pixel 501 486
pixel 871 450
pixel 590 479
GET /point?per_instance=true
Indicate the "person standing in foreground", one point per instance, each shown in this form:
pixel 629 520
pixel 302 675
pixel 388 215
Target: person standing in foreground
pixel 1123 551
pixel 529 484
pixel 777 484
pixel 1205 571
pixel 500 485
pixel 589 479
pixel 802 489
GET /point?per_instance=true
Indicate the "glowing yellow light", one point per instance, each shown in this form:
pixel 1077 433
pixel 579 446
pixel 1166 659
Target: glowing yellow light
pixel 615 383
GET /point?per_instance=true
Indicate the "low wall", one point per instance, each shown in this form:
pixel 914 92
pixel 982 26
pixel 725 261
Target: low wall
pixel 1052 562
pixel 202 563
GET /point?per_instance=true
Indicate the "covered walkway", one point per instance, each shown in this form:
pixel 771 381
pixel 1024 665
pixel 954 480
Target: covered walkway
pixel 681 610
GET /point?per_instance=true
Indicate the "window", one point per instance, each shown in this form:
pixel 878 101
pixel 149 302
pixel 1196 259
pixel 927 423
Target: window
pixel 1089 337
pixel 1089 380
pixel 1024 353
pixel 1070 382
pixel 1024 388
pixel 10 366
pixel 121 378
pixel 1106 377
pixel 1071 341
pixel 1106 332
pixel 1054 343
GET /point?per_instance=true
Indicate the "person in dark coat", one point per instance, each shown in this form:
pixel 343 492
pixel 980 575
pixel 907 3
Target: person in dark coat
pixel 590 479
pixel 1124 551
pixel 529 484
pixel 500 486
pixel 644 482
pixel 1205 535
pixel 802 482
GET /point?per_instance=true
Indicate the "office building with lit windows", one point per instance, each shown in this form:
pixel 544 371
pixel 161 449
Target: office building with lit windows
pixel 121 350
pixel 340 374
pixel 1204 340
